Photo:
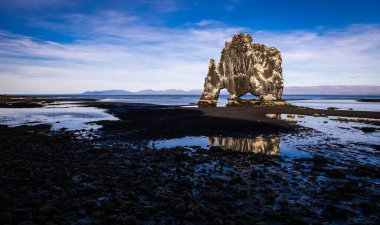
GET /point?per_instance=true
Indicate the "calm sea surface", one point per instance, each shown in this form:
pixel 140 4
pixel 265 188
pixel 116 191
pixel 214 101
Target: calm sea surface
pixel 343 102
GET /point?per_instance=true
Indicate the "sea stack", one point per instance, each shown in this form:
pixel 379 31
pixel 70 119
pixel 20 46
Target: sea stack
pixel 244 68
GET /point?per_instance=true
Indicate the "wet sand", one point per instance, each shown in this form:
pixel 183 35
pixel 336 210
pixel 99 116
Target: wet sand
pixel 57 178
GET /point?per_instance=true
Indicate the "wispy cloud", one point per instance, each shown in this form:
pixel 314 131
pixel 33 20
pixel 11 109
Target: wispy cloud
pixel 124 53
pixel 338 56
pixel 204 23
pixel 131 57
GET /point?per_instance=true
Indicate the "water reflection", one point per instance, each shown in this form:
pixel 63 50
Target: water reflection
pixel 268 145
pixel 258 145
pixel 58 115
pixel 273 116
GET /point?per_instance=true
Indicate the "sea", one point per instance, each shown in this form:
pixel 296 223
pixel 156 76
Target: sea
pixel 343 102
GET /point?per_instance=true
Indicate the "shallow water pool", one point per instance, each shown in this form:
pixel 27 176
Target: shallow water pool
pixel 68 116
pixel 267 145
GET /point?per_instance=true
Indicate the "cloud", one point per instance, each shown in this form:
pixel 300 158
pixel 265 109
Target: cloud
pixel 204 23
pixel 329 56
pixel 114 50
pixel 119 55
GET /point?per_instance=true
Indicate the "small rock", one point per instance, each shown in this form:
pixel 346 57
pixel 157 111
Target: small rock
pixel 5 201
pixel 217 215
pixel 98 213
pixel 230 222
pixel 149 208
pixel 336 173
pixel 5 217
pixel 186 195
pixel 48 210
pixel 261 223
pixel 180 207
pixel 50 223
pixel 298 221
pixel 319 159
pixel 209 196
pixel 332 211
pixel 163 197
pixel 217 221
pixel 126 219
pixel 189 216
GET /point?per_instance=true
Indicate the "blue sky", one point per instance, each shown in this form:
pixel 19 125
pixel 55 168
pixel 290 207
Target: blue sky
pixel 67 46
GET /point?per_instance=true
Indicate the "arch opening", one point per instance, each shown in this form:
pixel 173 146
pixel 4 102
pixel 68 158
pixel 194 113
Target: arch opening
pixel 249 96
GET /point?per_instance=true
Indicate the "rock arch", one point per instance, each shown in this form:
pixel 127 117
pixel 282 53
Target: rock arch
pixel 244 68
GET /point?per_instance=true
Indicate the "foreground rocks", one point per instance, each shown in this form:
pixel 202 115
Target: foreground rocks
pixel 244 68
pixel 57 178
pixel 54 178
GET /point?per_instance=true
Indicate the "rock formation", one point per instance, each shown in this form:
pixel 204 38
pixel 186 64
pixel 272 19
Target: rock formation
pixel 244 68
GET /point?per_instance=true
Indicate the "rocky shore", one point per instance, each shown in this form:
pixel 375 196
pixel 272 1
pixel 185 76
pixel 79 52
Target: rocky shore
pixel 54 177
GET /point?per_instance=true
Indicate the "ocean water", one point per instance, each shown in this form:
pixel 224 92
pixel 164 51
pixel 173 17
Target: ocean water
pixel 59 115
pixel 343 102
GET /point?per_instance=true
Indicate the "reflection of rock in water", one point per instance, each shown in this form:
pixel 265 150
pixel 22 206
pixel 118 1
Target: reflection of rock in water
pixel 259 145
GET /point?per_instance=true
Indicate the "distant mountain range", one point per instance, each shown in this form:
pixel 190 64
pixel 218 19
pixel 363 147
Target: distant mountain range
pixel 108 92
pixel 168 92
pixel 144 92
pixel 333 89
pixel 323 89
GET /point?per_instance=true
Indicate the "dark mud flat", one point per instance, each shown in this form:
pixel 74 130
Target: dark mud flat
pixel 369 100
pixel 141 122
pixel 19 102
pixel 55 178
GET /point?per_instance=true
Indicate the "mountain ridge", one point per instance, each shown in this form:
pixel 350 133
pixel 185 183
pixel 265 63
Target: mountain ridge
pixel 318 89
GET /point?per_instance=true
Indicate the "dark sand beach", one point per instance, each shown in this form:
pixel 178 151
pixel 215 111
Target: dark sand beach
pixel 115 176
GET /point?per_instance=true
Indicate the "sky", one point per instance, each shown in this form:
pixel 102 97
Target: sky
pixel 72 46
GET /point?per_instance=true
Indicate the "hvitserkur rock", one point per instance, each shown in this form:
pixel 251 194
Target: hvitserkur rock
pixel 244 68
